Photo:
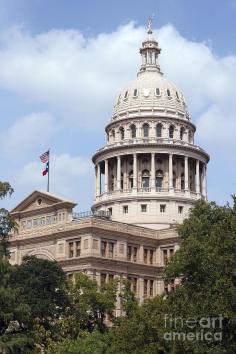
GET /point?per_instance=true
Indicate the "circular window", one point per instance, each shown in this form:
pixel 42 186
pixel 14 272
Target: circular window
pixel 39 201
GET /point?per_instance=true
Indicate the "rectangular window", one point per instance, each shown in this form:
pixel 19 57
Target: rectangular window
pixel 180 209
pixel 103 248
pixel 110 211
pixel 151 287
pixel 165 257
pixel 145 255
pixel 71 249
pixel 125 209
pixel 143 208
pixel 145 283
pixel 151 256
pixel 171 252
pixel 129 253
pixel 78 248
pixel 135 251
pixel 162 208
pixel 111 249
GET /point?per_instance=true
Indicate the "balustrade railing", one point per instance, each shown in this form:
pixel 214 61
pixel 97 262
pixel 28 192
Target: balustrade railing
pixel 88 214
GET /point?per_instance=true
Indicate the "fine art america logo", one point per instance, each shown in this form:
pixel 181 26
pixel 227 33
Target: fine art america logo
pixel 193 329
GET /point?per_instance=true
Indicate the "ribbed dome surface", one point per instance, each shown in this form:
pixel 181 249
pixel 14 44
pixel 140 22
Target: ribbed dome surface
pixel 152 91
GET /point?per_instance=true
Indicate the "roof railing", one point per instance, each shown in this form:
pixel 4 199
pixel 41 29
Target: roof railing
pixel 102 214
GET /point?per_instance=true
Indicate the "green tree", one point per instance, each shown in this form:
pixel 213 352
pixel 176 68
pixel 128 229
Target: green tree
pixel 206 265
pixel 89 305
pixel 43 287
pixel 13 313
pixel 6 222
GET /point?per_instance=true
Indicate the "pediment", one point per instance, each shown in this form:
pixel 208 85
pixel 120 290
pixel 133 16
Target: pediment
pixel 38 200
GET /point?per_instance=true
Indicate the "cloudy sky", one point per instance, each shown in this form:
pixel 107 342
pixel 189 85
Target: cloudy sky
pixel 63 63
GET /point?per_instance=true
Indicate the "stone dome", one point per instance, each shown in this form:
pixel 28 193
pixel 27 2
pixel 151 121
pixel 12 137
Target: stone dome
pixel 150 90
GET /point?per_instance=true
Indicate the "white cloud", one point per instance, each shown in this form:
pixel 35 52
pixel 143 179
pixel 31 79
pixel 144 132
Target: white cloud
pixel 28 133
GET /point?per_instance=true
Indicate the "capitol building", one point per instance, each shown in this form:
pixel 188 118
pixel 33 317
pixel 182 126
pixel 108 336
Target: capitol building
pixel 147 177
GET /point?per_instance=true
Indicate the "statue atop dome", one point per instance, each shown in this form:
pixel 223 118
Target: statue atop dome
pixel 149 24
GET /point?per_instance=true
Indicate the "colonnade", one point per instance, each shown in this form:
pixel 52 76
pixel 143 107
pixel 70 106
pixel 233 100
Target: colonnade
pixel 200 185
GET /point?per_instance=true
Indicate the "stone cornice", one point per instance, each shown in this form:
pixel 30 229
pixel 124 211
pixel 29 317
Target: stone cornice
pixel 149 147
pixel 91 225
pixel 113 263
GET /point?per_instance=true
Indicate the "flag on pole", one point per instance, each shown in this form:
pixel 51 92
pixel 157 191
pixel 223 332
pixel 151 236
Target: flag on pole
pixel 45 159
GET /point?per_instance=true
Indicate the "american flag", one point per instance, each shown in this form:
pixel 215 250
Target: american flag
pixel 44 157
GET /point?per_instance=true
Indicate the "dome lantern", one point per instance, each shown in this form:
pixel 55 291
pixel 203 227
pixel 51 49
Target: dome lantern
pixel 150 51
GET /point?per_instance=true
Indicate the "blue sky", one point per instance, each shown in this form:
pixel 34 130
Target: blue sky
pixel 64 62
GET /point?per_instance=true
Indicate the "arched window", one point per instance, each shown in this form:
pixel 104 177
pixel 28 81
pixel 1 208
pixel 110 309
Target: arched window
pixel 159 130
pixel 126 94
pixel 133 131
pixel 113 134
pixel 157 91
pixel 122 133
pixel 171 131
pixel 145 179
pixel 181 133
pixel 135 92
pixel 182 181
pixel 145 130
pixel 131 179
pixel 177 95
pixel 159 179
pixel 174 179
pixel 168 92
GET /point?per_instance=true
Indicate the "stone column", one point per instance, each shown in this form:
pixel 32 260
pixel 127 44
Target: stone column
pixel 153 172
pixel 118 173
pixel 170 172
pixel 197 177
pixel 106 177
pixel 98 180
pixel 135 172
pixel 186 187
pixel 204 184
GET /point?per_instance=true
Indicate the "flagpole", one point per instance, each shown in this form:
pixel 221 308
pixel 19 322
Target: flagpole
pixel 48 169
